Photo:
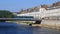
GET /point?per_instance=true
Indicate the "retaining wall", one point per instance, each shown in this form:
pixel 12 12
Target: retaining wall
pixel 51 23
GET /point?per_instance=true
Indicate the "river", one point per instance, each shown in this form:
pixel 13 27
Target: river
pixel 25 29
pixel 12 28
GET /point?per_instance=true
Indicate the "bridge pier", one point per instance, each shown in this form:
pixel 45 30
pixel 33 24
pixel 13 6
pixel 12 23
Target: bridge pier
pixel 38 22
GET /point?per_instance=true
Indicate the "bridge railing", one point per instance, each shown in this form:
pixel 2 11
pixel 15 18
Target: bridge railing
pixel 20 19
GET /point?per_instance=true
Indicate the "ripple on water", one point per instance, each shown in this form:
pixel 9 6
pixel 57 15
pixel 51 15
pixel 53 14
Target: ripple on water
pixel 25 29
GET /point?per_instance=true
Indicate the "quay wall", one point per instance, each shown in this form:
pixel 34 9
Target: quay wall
pixel 51 23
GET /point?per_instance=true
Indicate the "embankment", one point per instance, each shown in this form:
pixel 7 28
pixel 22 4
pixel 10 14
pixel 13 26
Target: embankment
pixel 51 23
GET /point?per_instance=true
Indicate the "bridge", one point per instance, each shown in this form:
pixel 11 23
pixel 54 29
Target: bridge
pixel 18 19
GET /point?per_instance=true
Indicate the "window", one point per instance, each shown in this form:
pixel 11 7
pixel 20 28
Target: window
pixel 53 8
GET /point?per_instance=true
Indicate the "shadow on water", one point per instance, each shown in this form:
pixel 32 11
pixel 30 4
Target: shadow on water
pixel 24 29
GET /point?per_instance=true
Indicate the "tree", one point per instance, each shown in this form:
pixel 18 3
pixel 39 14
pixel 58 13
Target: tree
pixel 6 14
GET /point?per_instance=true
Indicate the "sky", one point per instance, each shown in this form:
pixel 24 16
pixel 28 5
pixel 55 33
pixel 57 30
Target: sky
pixel 17 5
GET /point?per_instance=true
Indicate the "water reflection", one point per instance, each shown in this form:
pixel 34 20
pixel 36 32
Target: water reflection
pixel 38 30
pixel 7 30
pixel 24 29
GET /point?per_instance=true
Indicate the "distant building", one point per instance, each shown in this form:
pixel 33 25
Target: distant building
pixel 36 8
pixel 56 4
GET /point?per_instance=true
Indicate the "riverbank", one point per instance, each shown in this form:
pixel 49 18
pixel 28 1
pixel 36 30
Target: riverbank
pixel 49 23
pixel 45 23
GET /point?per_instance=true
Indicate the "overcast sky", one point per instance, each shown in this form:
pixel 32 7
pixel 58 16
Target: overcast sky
pixel 17 5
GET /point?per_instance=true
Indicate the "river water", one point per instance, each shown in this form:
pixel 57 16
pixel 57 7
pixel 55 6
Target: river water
pixel 25 29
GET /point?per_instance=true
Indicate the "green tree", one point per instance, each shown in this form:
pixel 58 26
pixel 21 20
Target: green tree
pixel 6 14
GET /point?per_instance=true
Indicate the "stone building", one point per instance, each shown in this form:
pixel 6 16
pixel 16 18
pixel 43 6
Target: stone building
pixel 56 4
pixel 36 8
pixel 44 6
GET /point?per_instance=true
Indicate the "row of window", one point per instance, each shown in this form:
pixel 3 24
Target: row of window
pixel 53 8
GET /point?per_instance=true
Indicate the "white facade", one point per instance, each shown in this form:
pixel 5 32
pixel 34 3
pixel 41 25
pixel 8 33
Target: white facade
pixel 50 12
